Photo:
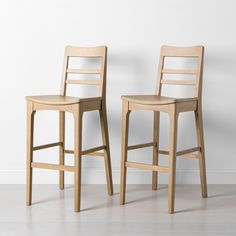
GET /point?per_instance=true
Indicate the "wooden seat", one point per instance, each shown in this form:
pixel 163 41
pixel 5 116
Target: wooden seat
pixel 60 100
pixel 173 107
pixel 76 106
pixel 155 100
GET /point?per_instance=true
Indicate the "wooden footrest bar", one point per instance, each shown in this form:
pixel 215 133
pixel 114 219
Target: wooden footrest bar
pixel 47 146
pixel 52 166
pixel 69 151
pixel 163 152
pixel 183 153
pixel 140 146
pixel 90 152
pixel 99 154
pixel 188 151
pixel 146 166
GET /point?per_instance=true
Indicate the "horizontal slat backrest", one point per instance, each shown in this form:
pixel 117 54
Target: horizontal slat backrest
pixel 72 51
pixel 79 71
pixel 171 51
pixel 85 52
pixel 175 71
pixel 190 52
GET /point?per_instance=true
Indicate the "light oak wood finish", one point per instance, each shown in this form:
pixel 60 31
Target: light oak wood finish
pixel 124 149
pixel 173 107
pixel 79 71
pixel 183 152
pixel 62 148
pixel 60 99
pixel 156 129
pixel 183 72
pixel 173 115
pixel 179 82
pixel 106 153
pixel 29 151
pixel 86 153
pixel 47 146
pixel 76 106
pixel 133 147
pixel 78 156
pixel 146 166
pixel 42 165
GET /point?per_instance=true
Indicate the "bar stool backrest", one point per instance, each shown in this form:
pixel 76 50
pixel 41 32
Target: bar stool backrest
pixel 189 52
pixel 99 52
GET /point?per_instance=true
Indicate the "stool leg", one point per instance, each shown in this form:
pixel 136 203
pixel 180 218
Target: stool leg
pixel 107 157
pixel 200 141
pixel 61 148
pixel 125 133
pixel 156 121
pixel 30 137
pixel 78 157
pixel 172 158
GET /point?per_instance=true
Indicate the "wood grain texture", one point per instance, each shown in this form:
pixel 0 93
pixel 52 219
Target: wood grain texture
pixel 80 71
pixel 178 71
pixel 173 107
pixel 155 100
pixel 84 82
pixel 50 166
pixel 107 155
pixel 77 157
pixel 179 82
pixel 144 166
pixel 59 100
pixel 156 130
pixel 46 146
pixel 200 141
pixel 124 150
pixel 137 146
pixel 76 106
pixel 173 116
pixel 61 148
pixel 29 152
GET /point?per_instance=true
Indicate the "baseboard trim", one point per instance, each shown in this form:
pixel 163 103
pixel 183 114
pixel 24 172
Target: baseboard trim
pixel 97 176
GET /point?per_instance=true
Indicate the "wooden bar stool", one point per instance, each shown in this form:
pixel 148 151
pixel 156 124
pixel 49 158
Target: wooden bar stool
pixel 172 106
pixel 76 106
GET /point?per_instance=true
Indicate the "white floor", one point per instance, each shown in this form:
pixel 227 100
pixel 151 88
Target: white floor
pixel 144 214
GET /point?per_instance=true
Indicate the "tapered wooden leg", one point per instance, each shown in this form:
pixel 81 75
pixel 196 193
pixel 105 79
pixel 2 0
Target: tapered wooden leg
pixel 200 141
pixel 172 158
pixel 155 148
pixel 30 136
pixel 125 132
pixel 107 157
pixel 61 148
pixel 78 157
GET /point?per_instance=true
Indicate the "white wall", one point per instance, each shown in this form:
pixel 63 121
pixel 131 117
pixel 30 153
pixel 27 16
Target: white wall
pixel 33 37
